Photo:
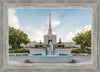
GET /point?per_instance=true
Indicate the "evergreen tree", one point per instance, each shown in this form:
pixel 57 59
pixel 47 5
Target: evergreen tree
pixel 59 41
pixel 40 42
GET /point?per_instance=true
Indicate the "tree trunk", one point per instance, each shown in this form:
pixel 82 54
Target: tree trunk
pixel 82 46
pixel 16 46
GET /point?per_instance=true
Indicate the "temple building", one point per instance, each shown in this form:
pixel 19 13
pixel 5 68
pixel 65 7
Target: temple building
pixel 50 37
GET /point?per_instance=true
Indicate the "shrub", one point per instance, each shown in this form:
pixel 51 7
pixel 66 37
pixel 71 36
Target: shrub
pixel 86 51
pixel 73 51
pixel 21 50
pixel 59 45
pixel 89 52
pixel 11 51
pixel 16 51
pixel 63 45
pixel 40 45
pixel 36 46
pixel 77 50
pixel 81 51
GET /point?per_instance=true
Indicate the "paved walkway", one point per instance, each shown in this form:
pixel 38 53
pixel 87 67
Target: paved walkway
pixel 78 59
pixel 82 59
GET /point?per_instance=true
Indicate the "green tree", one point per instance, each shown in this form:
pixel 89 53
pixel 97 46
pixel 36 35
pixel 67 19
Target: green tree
pixel 59 41
pixel 84 39
pixel 34 41
pixel 36 46
pixel 16 37
pixel 40 42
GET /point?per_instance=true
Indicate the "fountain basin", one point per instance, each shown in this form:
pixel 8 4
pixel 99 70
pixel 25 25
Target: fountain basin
pixel 61 58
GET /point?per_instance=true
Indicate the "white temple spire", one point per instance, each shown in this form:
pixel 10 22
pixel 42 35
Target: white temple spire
pixel 49 21
pixel 49 30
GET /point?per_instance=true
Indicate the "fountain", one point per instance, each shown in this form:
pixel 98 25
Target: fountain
pixel 50 49
pixel 52 56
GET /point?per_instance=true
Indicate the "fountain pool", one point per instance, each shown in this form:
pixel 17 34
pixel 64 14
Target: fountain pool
pixel 49 55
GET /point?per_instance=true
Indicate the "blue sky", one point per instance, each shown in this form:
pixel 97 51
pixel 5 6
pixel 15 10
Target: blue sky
pixel 66 23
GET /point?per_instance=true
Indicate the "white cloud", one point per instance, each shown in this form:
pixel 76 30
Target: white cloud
pixel 54 33
pixel 37 35
pixel 70 35
pixel 87 27
pixel 55 23
pixel 13 19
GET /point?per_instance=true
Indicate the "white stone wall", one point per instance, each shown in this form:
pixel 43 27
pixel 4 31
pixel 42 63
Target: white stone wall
pixel 54 39
pixel 71 44
pixel 49 37
pixel 64 51
pixel 31 44
pixel 35 51
pixel 78 46
pixel 45 39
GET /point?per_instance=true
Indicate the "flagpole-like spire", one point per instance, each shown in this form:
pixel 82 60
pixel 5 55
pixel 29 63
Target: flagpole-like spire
pixel 49 21
pixel 49 30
